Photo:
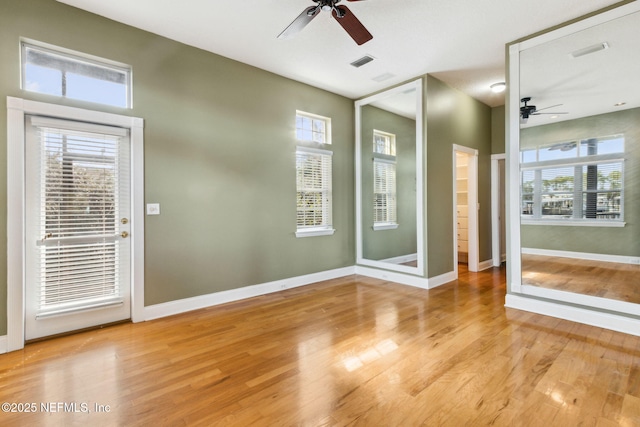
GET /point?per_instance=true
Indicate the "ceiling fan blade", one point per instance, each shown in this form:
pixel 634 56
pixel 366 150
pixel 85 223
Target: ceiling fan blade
pixel 351 25
pixel 563 146
pixel 300 22
pixel 537 113
pixel 546 108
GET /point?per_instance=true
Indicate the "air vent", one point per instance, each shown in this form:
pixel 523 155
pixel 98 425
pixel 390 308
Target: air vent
pixel 383 77
pixel 590 49
pixel 364 60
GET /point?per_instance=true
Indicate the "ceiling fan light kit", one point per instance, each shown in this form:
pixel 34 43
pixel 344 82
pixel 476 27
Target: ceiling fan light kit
pixel 342 14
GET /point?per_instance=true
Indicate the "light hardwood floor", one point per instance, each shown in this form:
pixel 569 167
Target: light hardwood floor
pixel 596 278
pixel 351 351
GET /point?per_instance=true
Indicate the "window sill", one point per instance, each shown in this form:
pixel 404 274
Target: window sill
pixel 313 232
pixel 573 223
pixel 387 226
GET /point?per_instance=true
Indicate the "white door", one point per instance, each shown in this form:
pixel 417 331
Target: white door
pixel 78 187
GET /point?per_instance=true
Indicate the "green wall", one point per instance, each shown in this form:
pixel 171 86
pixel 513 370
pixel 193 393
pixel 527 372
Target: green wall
pixel 601 240
pixel 219 155
pixel 453 117
pixel 498 135
pixel 383 244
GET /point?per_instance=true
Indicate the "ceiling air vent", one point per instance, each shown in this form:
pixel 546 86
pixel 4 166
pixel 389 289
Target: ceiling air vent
pixel 383 77
pixel 590 49
pixel 364 60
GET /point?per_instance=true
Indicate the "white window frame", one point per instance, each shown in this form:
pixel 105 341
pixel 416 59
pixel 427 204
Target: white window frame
pixel 315 117
pixel 576 163
pixel 77 58
pixel 390 145
pixel 385 156
pixel 390 221
pixel 311 147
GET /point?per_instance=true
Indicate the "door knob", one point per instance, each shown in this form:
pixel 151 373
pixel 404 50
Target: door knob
pixel 124 221
pixel 124 234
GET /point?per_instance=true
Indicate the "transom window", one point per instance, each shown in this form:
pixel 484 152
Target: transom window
pixel 60 72
pixel 313 128
pixel 313 175
pixel 384 143
pixel 574 181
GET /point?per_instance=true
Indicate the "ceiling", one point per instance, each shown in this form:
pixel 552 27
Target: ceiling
pixel 561 73
pixel 461 42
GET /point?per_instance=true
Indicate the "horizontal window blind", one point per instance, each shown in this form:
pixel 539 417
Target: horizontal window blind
pixel 384 192
pixel 313 184
pixel 602 191
pixel 83 178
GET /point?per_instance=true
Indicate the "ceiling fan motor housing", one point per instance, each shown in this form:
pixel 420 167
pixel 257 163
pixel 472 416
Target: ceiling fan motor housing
pixel 527 110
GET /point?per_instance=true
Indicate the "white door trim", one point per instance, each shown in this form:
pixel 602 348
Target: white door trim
pixel 473 208
pixel 496 256
pixel 17 108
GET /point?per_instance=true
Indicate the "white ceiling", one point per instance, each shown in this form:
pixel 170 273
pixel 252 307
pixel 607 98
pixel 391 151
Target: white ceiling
pixel 461 42
pixel 586 85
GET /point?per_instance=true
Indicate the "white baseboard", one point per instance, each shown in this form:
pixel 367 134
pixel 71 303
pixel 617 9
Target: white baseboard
pixel 3 344
pixel 203 301
pixel 575 314
pixel 401 259
pixel 440 280
pixel 583 255
pixel 485 265
pixel 392 276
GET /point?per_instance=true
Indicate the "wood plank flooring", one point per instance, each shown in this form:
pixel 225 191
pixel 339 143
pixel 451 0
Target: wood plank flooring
pixel 348 352
pixel 596 278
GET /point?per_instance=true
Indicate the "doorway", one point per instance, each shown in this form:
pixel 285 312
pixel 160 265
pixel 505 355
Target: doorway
pixel 498 218
pixel 77 225
pixel 465 199
pixel 95 236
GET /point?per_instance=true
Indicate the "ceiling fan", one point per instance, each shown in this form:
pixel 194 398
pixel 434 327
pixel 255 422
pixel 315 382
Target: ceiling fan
pixel 342 14
pixel 530 110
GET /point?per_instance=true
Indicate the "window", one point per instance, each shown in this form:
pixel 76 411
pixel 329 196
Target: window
pixel 384 181
pixel 313 128
pixel 574 182
pixel 55 71
pixel 384 194
pixel 313 176
pixel 384 143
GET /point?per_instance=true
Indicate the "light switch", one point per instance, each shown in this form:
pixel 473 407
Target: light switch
pixel 153 208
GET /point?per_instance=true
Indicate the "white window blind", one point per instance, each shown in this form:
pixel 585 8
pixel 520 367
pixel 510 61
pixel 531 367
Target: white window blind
pixel 83 178
pixel 384 192
pixel 313 183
